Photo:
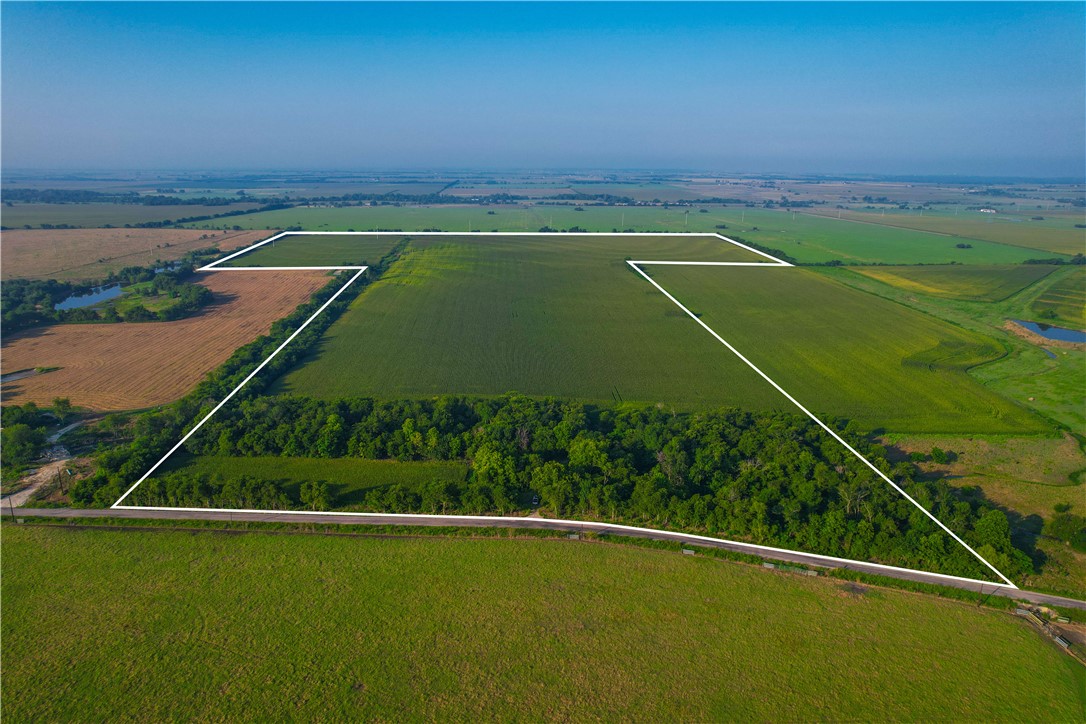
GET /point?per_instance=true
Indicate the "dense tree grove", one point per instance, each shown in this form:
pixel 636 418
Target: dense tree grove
pixel 772 478
pixel 22 436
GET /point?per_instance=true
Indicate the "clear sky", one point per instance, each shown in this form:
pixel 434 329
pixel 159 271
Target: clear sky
pixel 924 88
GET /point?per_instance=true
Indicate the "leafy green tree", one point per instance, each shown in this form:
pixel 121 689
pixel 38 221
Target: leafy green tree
pixel 315 495
pixel 1069 528
pixel 332 437
pixel 555 488
pixel 21 444
pixel 62 407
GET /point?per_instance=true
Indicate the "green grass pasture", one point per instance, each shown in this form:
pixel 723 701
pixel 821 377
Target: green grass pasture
pixel 980 283
pixel 1065 298
pixel 349 478
pixel 811 238
pixel 303 250
pixel 845 353
pixel 546 316
pixel 1054 233
pixel 114 625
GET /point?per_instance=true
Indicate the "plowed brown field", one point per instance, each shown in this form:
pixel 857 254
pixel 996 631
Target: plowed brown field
pixel 130 366
pixel 90 254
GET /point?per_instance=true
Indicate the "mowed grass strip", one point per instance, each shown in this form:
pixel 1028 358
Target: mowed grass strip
pixel 973 283
pixel 545 316
pixel 122 625
pixel 845 353
pixel 318 250
pixel 349 479
pixel 1065 299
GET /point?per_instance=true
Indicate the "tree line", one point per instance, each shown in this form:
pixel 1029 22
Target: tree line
pixel 773 478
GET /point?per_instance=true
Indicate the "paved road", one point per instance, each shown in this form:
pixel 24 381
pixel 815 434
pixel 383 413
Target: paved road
pixel 775 554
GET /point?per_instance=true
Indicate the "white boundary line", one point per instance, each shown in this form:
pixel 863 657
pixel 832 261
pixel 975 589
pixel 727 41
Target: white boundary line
pixel 233 392
pixel 214 266
pixel 821 424
pixel 596 524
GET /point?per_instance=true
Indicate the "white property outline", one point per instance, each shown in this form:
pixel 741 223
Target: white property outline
pixel 636 266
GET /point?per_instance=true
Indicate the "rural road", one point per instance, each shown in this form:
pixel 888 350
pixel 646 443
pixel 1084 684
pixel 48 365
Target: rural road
pixel 543 523
pixel 55 457
pixel 55 437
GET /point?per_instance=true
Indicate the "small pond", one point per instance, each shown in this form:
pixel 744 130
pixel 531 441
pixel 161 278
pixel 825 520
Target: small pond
pixel 1060 334
pixel 96 295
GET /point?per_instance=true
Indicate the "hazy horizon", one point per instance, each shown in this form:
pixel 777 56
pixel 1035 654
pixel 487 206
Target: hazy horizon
pixel 940 90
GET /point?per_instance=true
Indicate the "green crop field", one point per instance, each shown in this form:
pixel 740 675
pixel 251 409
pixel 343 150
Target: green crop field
pixel 17 216
pixel 805 237
pixel 349 478
pixel 561 316
pixel 980 283
pixel 303 250
pixel 1064 300
pixel 566 317
pixel 171 625
pixel 1052 233
pixel 850 354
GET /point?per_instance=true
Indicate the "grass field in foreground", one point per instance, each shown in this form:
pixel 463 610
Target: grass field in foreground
pixel 1055 234
pixel 850 354
pixel 805 237
pixel 979 283
pixel 123 625
pixel 349 478
pixel 546 316
pixel 1065 298
pixel 307 250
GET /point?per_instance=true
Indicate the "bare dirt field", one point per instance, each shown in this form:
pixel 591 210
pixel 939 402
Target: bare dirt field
pixel 128 366
pixel 90 254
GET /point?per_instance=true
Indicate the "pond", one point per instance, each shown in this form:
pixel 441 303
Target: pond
pixel 1060 334
pixel 99 294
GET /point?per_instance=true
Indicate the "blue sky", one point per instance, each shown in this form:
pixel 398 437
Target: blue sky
pixel 933 88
